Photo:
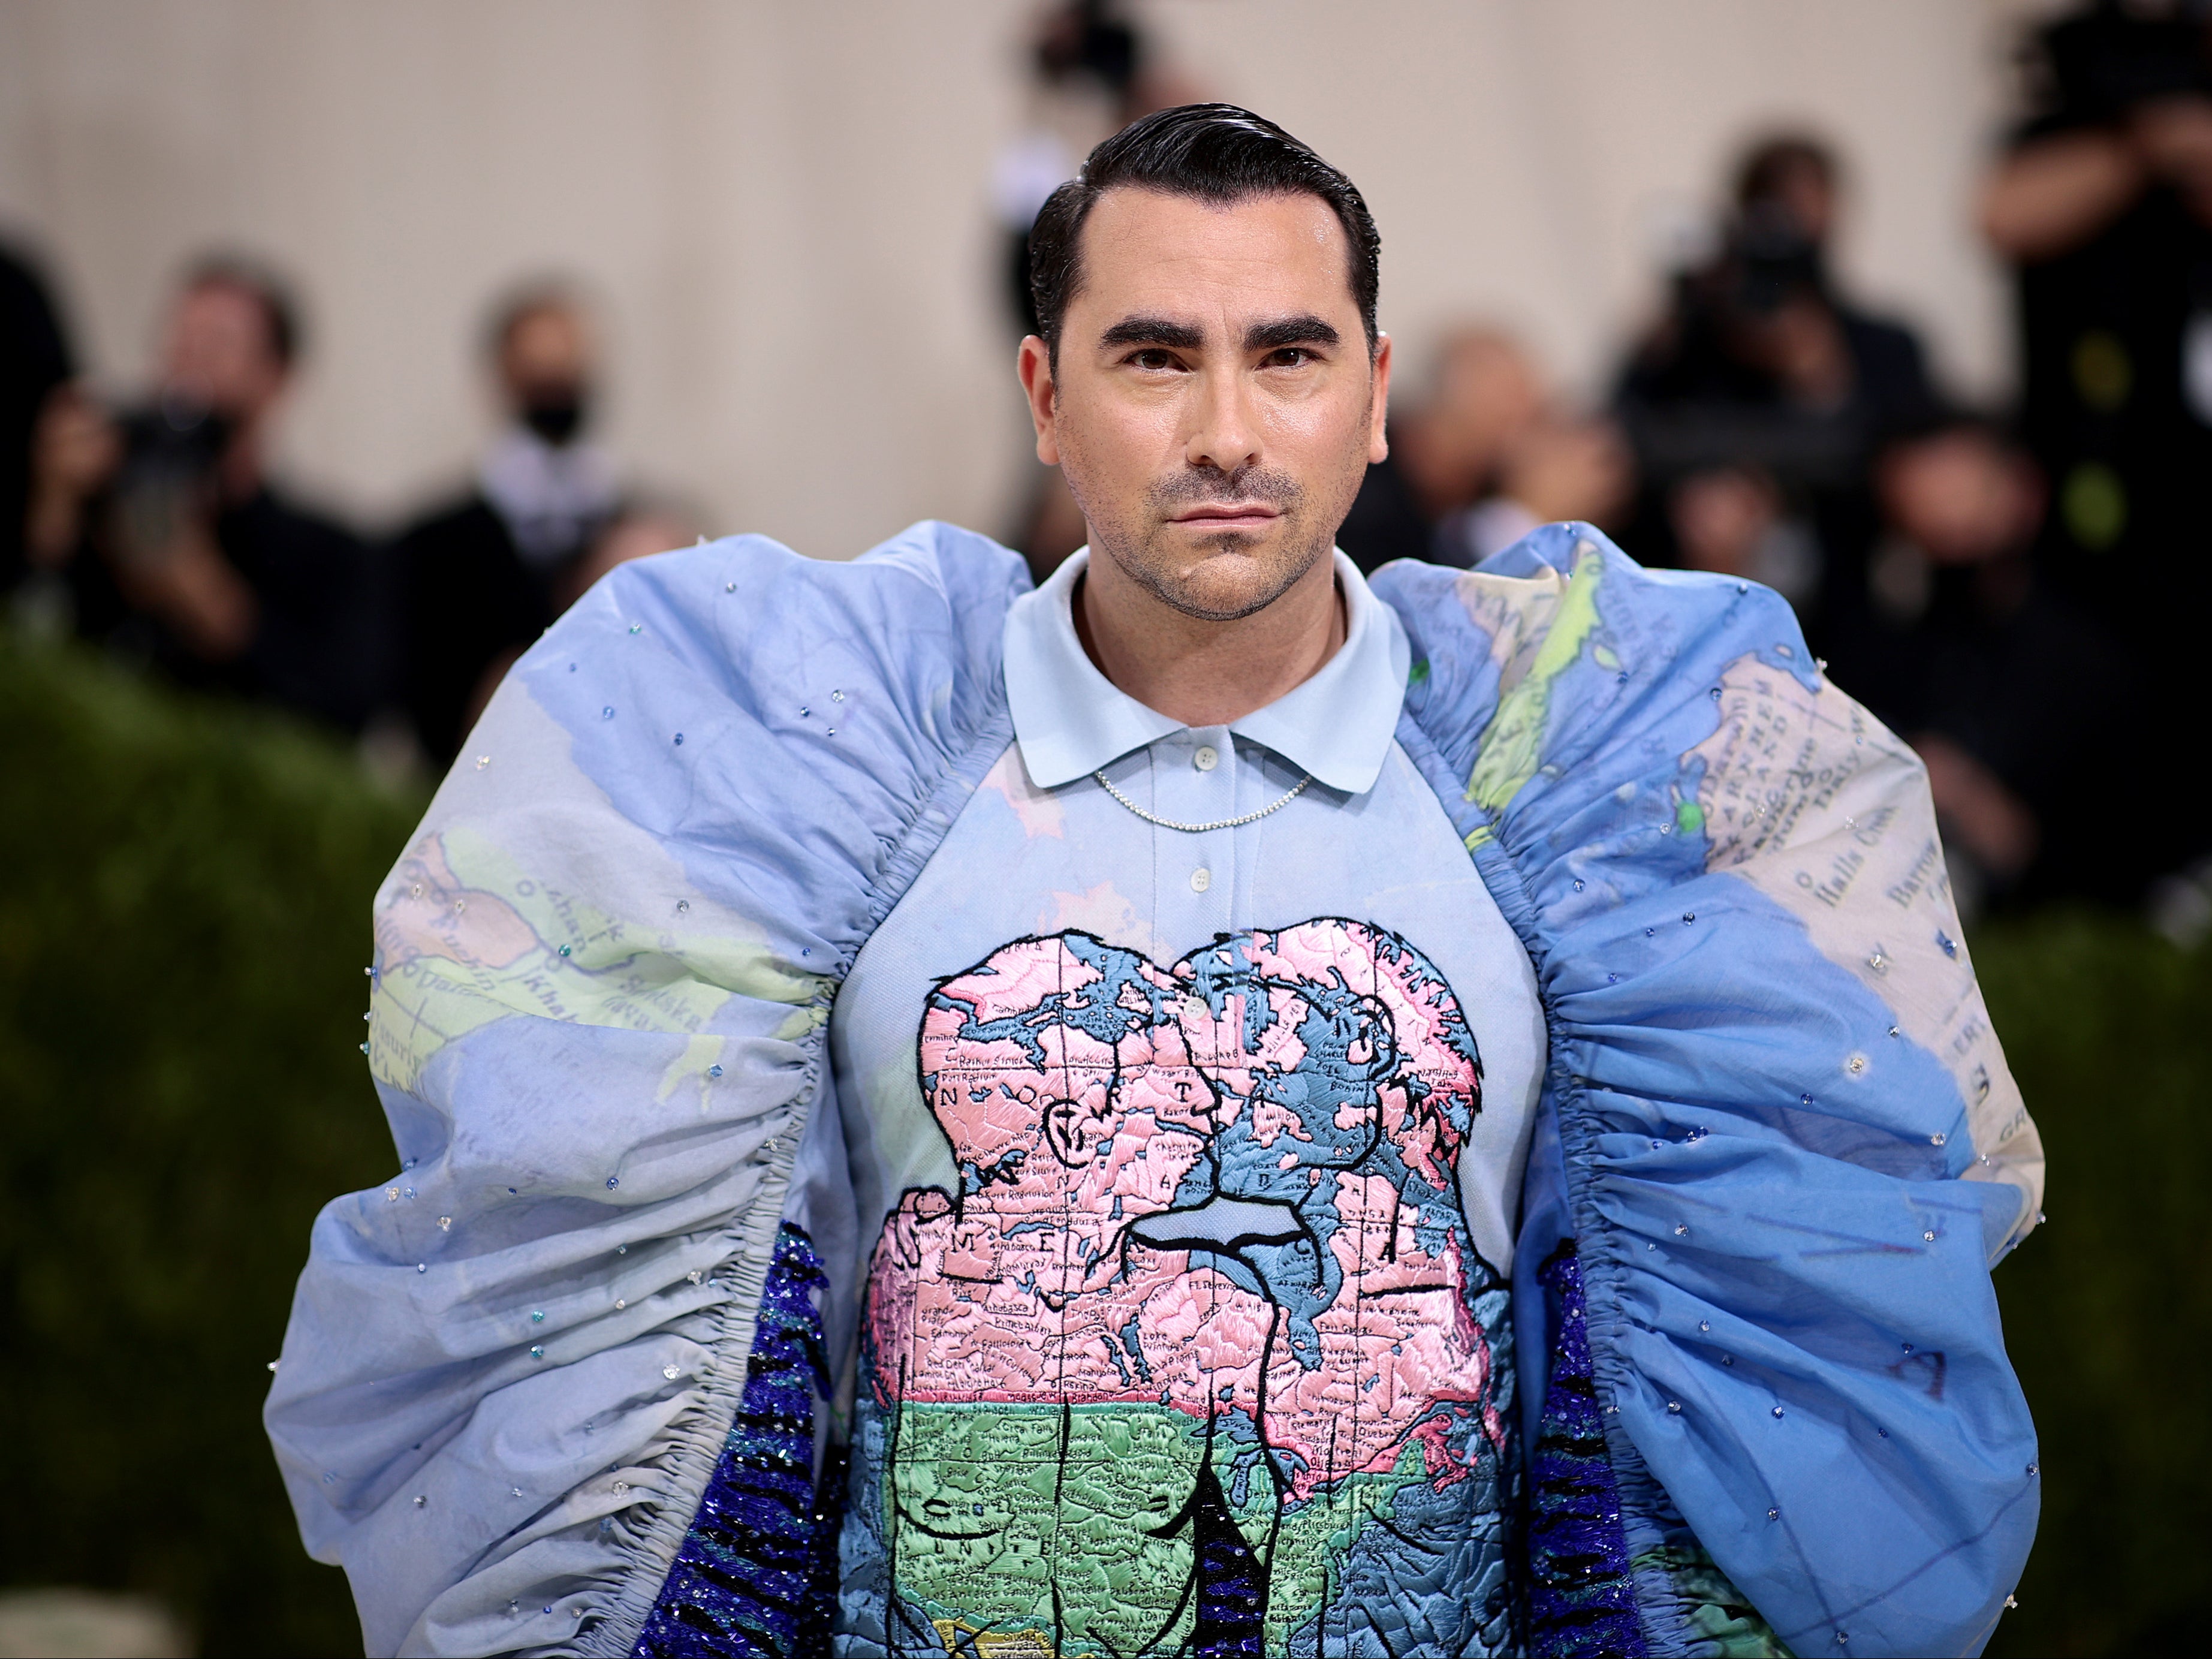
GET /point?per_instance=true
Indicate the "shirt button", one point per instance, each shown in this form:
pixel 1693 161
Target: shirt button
pixel 1205 759
pixel 1200 880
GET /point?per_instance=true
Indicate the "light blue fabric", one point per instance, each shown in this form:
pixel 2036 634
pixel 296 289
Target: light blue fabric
pixel 546 1020
pixel 1784 1203
pixel 1776 1126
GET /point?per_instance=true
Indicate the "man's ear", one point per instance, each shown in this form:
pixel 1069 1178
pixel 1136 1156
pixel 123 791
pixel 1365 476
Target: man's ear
pixel 1034 365
pixel 1379 410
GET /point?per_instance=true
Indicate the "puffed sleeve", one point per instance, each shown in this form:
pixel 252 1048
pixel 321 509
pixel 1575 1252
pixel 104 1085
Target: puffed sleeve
pixel 603 971
pixel 1779 1150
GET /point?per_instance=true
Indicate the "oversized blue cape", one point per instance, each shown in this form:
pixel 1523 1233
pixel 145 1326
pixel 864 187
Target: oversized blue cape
pixel 1778 1143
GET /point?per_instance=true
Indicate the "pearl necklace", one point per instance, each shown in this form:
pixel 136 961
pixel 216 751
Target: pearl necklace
pixel 1201 829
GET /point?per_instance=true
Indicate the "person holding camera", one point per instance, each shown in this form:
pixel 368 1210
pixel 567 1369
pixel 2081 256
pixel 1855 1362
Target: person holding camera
pixel 2104 205
pixel 172 547
pixel 1755 406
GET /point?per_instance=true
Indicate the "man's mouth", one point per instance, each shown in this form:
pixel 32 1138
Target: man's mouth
pixel 1228 515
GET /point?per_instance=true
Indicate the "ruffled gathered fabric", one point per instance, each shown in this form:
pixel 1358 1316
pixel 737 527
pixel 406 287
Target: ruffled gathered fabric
pixel 1778 1139
pixel 604 968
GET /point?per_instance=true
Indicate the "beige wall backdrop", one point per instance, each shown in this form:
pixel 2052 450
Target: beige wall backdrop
pixel 784 208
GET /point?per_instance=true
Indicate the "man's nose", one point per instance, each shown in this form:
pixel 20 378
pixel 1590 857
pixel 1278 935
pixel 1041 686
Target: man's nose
pixel 1224 435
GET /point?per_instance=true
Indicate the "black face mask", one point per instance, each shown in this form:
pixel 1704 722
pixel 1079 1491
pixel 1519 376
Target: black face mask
pixel 556 414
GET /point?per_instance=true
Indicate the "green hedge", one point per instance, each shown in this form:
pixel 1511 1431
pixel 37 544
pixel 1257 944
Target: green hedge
pixel 2108 1307
pixel 184 918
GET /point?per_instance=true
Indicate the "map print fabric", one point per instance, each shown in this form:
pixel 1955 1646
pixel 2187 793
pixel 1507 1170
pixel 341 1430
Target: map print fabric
pixel 1198 1356
pixel 1186 1164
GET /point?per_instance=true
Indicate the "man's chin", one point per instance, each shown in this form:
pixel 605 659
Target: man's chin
pixel 1224 576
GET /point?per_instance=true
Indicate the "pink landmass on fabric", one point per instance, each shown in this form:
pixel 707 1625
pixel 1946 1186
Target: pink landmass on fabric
pixel 1032 1286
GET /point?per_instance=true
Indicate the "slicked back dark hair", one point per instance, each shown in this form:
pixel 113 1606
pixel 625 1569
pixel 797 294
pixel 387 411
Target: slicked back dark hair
pixel 1214 153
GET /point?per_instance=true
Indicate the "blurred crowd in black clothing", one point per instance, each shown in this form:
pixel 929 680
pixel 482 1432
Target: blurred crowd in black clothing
pixel 2008 590
pixel 153 529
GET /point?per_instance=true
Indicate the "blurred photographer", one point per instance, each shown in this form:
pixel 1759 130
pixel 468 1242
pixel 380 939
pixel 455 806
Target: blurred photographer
pixel 482 575
pixel 1091 71
pixel 2104 204
pixel 34 359
pixel 2021 710
pixel 172 545
pixel 1479 456
pixel 1755 406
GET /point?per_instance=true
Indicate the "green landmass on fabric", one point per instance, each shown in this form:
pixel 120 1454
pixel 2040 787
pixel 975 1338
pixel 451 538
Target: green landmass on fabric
pixel 1511 746
pixel 1714 1609
pixel 997 1528
pixel 994 1514
pixel 561 957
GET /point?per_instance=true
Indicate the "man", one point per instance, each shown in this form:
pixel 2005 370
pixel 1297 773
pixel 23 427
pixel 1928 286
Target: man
pixel 175 547
pixel 1998 684
pixel 483 576
pixel 2103 205
pixel 1445 452
pixel 1205 1108
pixel 1756 404
pixel 1486 458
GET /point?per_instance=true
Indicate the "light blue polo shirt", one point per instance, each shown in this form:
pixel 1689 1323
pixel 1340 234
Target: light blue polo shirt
pixel 1186 1094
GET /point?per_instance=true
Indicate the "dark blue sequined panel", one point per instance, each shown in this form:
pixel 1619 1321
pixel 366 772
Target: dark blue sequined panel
pixel 749 1580
pixel 1581 1601
pixel 1232 1586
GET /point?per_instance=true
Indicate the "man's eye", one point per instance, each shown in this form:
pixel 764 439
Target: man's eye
pixel 1152 357
pixel 1289 357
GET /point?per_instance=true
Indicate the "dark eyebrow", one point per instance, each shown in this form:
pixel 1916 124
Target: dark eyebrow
pixel 1152 331
pixel 1289 331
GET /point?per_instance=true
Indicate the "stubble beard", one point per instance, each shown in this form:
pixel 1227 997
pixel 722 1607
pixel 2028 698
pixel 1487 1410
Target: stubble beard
pixel 1155 554
pixel 1149 552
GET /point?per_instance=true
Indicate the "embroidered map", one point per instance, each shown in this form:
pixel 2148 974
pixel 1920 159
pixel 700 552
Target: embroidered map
pixel 1200 1356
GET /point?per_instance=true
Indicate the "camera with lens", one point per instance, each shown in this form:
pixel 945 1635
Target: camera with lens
pixel 1707 402
pixel 165 481
pixel 1768 262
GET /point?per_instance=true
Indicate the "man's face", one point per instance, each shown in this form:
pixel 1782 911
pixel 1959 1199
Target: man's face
pixel 1807 196
pixel 218 353
pixel 1214 407
pixel 1960 497
pixel 545 352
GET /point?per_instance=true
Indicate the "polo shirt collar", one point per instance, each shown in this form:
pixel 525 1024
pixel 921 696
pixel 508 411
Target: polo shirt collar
pixel 1070 719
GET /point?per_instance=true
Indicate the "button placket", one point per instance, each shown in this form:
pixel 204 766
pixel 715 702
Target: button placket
pixel 1195 781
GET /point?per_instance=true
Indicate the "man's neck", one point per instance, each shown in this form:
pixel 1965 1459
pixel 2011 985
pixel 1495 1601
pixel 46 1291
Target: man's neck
pixel 1202 673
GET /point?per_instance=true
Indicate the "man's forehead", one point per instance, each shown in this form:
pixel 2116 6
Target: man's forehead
pixel 219 300
pixel 1143 247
